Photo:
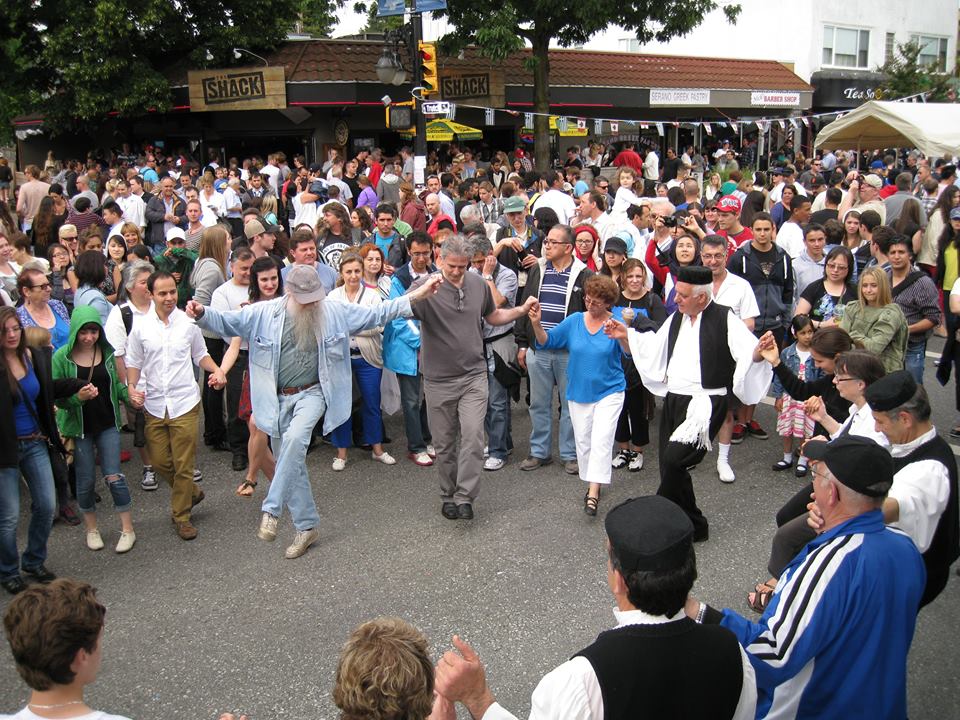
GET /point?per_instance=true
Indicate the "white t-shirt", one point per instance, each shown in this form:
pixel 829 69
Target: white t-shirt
pixel 737 294
pixel 305 213
pixel 955 290
pixel 27 714
pixel 790 238
pixel 227 297
pixel 273 175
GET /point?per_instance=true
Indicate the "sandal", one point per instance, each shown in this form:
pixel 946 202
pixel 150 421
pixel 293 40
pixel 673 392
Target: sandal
pixel 590 504
pixel 760 597
pixel 245 486
pixel 782 465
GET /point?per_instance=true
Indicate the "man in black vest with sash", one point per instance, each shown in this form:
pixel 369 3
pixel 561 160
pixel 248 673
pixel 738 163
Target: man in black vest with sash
pixel 643 667
pixel 923 500
pixel 701 352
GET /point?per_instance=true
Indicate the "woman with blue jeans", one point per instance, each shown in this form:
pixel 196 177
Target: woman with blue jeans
pixel 366 359
pixel 26 422
pixel 92 418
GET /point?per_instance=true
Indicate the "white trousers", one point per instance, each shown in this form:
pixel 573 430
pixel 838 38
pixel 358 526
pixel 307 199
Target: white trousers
pixel 594 426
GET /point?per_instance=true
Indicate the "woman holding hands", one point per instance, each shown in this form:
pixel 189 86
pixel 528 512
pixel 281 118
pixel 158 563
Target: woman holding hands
pixel 595 382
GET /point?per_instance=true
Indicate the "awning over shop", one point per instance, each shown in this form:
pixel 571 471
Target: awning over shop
pixel 446 130
pixel 933 128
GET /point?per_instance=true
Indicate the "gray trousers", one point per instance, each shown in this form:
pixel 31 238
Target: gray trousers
pixel 456 409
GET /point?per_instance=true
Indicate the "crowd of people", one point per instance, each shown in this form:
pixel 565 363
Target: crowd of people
pixel 288 305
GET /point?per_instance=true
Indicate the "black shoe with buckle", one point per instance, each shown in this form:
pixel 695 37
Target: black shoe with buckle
pixel 40 574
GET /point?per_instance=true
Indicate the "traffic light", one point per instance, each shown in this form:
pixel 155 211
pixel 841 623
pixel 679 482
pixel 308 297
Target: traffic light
pixel 428 69
pixel 400 116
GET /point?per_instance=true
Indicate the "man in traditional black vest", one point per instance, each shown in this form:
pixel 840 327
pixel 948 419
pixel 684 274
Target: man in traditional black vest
pixel 923 500
pixel 694 392
pixel 643 667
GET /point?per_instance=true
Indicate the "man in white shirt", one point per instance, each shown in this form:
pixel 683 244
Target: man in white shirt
pixel 651 166
pixel 923 499
pixel 233 295
pixel 163 347
pixel 212 202
pixel 113 217
pixel 272 173
pixel 735 293
pixel 134 208
pixel 638 668
pixel 555 198
pixel 790 234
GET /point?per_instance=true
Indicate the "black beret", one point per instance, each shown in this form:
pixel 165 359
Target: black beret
pixel 695 275
pixel 649 534
pixel 857 462
pixel 891 391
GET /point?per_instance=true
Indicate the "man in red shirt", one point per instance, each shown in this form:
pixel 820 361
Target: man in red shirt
pixel 728 220
pixel 629 157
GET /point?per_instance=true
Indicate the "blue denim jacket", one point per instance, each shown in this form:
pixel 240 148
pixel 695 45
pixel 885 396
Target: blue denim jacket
pixel 262 324
pixel 791 359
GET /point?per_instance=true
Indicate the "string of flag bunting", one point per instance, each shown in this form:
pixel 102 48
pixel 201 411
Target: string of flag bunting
pixel 564 123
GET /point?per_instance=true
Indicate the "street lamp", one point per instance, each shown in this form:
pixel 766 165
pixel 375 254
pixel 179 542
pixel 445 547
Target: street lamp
pixel 237 55
pixel 390 70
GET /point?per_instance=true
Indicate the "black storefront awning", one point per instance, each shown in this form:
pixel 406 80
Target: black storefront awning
pixel 838 89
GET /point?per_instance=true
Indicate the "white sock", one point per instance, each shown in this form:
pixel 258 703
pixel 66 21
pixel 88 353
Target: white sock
pixel 801 461
pixel 788 457
pixel 723 453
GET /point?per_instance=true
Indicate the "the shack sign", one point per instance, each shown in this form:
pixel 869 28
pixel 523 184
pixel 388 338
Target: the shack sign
pixel 261 88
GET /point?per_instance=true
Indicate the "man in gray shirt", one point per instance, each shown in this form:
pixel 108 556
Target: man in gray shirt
pixel 455 372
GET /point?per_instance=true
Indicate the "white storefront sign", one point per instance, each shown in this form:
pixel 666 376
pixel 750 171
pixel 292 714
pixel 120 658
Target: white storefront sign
pixel 679 96
pixel 779 99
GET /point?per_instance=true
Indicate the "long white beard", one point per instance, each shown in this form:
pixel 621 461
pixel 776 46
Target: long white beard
pixel 306 324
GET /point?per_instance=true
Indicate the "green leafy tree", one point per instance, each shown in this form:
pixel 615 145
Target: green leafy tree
pixel 506 27
pixel 377 24
pixel 75 61
pixel 905 75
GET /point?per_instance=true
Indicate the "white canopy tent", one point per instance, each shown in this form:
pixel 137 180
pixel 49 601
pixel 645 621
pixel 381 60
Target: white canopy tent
pixel 932 128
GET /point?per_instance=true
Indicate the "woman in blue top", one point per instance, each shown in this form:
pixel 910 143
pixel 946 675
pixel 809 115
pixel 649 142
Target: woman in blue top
pixel 595 383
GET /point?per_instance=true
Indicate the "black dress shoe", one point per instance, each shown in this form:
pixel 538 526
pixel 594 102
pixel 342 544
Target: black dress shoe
pixel 701 534
pixel 449 511
pixel 14 585
pixel 465 511
pixel 40 574
pixel 240 462
pixel 219 446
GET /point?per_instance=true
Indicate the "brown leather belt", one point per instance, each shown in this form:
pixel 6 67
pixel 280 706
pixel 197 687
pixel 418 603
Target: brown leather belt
pixel 295 390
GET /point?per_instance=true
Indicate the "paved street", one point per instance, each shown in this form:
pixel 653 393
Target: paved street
pixel 225 623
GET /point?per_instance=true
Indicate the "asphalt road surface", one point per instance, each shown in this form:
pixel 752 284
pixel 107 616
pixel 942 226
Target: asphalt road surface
pixel 225 623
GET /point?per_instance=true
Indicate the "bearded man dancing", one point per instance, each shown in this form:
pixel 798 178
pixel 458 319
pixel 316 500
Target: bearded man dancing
pixel 299 371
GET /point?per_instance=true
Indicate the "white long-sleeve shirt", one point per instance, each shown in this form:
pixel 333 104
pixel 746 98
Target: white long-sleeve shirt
pixel 922 490
pixel 572 691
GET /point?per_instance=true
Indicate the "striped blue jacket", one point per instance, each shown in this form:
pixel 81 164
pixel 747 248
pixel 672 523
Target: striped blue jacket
pixel 833 642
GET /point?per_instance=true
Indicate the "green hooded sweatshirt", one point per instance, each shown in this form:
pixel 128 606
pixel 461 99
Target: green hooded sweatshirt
pixel 70 411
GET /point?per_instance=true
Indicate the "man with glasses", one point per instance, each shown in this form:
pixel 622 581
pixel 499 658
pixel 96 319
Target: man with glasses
pixel 602 186
pixel 855 577
pixel 555 281
pixel 455 372
pixel 864 195
pixel 734 292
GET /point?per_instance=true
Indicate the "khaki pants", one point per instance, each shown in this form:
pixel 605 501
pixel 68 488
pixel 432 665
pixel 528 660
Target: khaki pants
pixel 172 444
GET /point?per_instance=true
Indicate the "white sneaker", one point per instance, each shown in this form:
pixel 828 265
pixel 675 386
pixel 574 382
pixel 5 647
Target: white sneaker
pixel 421 459
pixel 268 527
pixel 432 452
pixel 127 539
pixel 386 458
pixel 486 451
pixel 197 475
pixel 636 462
pixel 339 464
pixel 301 541
pixel 94 541
pixel 492 463
pixel 725 472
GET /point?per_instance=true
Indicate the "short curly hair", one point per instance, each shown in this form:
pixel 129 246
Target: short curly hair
pixel 47 625
pixel 602 287
pixel 384 673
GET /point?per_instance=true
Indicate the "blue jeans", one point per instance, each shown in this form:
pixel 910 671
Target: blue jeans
pixel 368 380
pixel 291 484
pixel 35 466
pixel 414 412
pixel 84 465
pixel 497 422
pixel 546 369
pixel 914 359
